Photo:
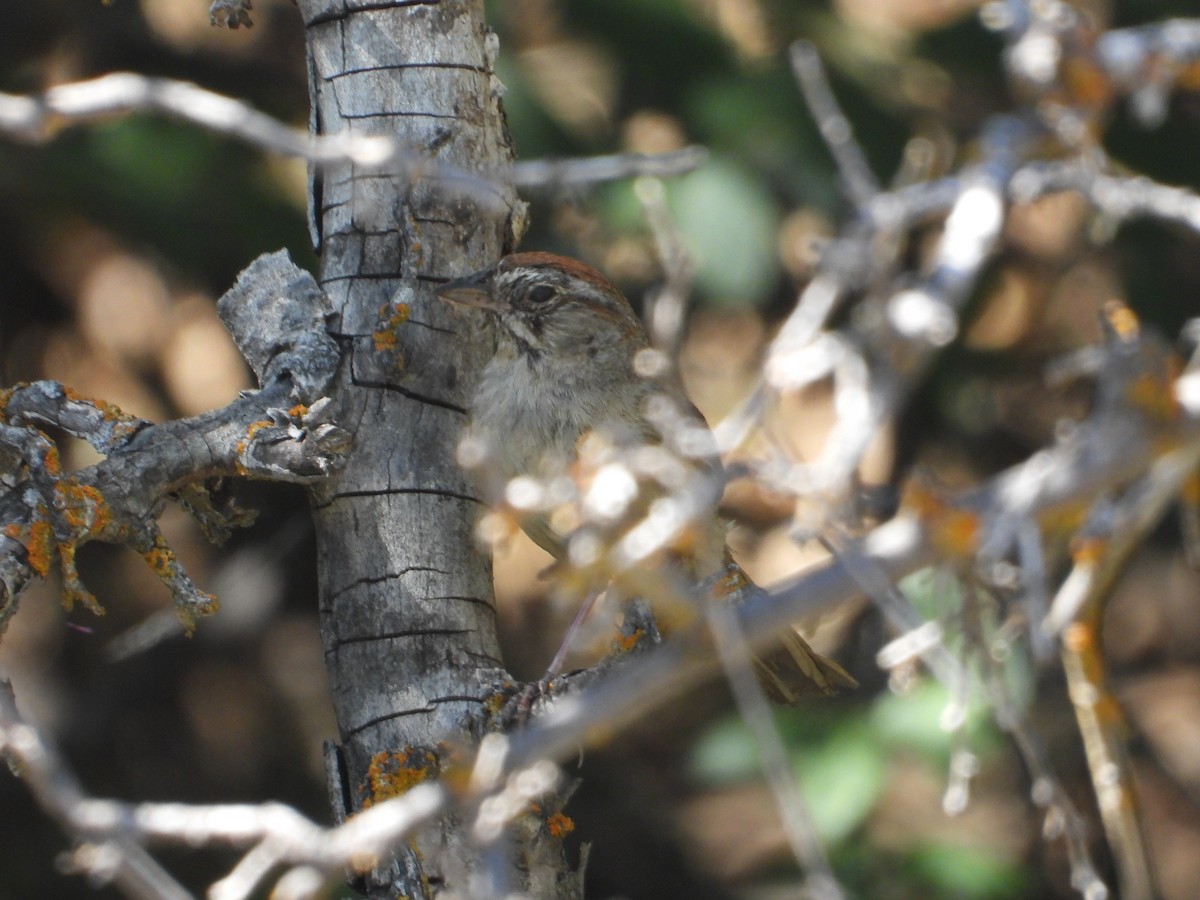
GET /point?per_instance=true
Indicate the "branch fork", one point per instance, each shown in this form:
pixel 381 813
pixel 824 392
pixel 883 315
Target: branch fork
pixel 284 431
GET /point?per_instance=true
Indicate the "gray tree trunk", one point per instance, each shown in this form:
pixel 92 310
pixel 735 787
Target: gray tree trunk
pixel 407 612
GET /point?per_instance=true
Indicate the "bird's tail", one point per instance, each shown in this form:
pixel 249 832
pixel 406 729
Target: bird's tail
pixel 788 668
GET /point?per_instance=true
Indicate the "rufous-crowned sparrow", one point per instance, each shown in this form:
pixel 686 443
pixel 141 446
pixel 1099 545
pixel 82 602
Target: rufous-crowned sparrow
pixel 564 369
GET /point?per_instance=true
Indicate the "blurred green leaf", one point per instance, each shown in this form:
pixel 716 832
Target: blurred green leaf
pixel 914 721
pixel 761 119
pixel 534 131
pixel 664 46
pixel 932 592
pixel 155 157
pixel 727 753
pixel 841 780
pixel 841 772
pixel 199 199
pixel 728 219
pixel 620 208
pixel 968 873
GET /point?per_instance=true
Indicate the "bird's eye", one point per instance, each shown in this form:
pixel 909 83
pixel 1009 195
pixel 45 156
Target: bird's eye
pixel 543 293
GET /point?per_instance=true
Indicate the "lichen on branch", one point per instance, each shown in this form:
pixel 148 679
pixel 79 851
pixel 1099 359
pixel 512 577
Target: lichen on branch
pixel 282 432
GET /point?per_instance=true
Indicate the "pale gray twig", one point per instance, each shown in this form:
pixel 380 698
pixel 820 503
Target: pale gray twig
pixel 1145 60
pixel 668 304
pixel 892 550
pixel 1062 817
pixel 857 178
pixel 39 118
pixel 1121 525
pixel 277 313
pixel 112 856
pixel 273 835
pixel 898 610
pixel 1122 197
pixel 755 710
pixel 565 173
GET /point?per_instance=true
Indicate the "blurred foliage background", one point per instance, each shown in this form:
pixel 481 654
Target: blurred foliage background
pixel 116 239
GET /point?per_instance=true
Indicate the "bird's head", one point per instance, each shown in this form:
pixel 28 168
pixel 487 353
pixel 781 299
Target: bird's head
pixel 550 306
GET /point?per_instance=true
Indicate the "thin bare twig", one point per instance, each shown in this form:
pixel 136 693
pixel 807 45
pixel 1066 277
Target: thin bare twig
pixel 668 306
pixel 898 611
pixel 1062 817
pixel 565 173
pixel 273 834
pixel 857 178
pixel 116 858
pixel 39 118
pixel 755 710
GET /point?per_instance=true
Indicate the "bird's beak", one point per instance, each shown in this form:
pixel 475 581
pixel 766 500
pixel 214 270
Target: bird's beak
pixel 471 292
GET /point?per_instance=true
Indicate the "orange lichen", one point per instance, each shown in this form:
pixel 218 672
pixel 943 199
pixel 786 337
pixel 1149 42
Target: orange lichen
pixel 495 701
pixel 1065 519
pixel 39 548
pixel 623 643
pixel 190 612
pixel 455 764
pixel 110 411
pixel 1188 77
pixel 208 607
pixel 952 530
pixel 392 773
pixel 1079 638
pixel 299 411
pixel 1086 82
pixel 73 590
pixel 1122 320
pixel 52 462
pixel 82 597
pixel 559 825
pixel 1088 551
pixel 160 558
pixel 252 429
pixel 1154 396
pixel 83 507
pixel 731 583
pixel 385 337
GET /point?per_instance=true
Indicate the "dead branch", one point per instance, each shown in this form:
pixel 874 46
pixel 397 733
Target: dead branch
pixel 282 431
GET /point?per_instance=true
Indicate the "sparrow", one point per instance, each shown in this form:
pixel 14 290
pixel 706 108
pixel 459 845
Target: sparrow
pixel 572 371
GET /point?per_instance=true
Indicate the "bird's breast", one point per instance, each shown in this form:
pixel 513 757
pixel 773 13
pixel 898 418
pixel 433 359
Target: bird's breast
pixel 532 414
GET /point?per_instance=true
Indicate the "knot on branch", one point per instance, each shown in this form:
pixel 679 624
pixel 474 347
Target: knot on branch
pixel 297 444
